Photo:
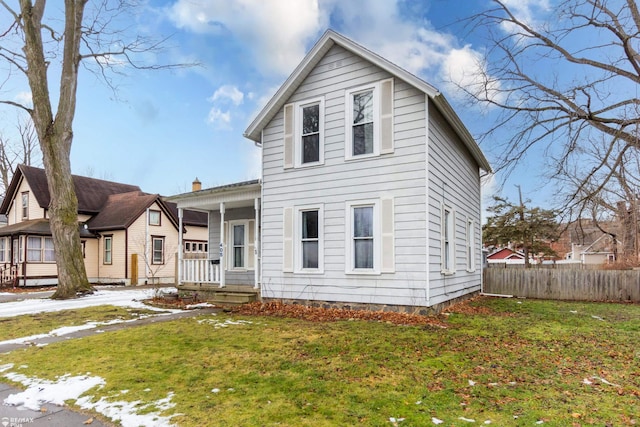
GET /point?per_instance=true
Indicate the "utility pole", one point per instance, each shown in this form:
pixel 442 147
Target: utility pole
pixel 523 224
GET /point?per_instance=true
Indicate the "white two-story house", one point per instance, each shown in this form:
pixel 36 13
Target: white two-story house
pixel 370 190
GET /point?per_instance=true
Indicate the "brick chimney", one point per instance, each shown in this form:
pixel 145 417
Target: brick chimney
pixel 196 185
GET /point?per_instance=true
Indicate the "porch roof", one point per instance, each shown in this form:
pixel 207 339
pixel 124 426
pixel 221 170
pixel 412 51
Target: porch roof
pixel 237 195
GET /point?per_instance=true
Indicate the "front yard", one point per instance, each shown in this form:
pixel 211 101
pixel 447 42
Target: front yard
pixel 492 361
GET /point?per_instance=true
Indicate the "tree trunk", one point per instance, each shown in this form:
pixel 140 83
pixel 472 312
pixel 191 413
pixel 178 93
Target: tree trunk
pixel 63 213
pixel 56 135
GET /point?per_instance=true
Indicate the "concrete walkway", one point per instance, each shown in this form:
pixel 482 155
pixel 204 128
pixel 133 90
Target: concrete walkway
pixel 57 416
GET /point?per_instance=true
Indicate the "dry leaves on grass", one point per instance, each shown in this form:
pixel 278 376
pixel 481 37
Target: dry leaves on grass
pixel 468 307
pixel 318 314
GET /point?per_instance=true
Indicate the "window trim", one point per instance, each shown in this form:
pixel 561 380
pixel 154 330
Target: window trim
pixel 38 255
pixel 24 204
pixel 448 240
pixel 154 239
pixel 350 241
pixel 348 131
pixel 3 249
pixel 298 246
pixel 108 251
pixel 471 245
pixel 154 211
pixel 231 246
pixel 298 150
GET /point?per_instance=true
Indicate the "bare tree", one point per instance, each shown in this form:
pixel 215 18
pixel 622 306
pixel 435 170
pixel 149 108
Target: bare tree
pixel 30 46
pixel 25 151
pixel 562 83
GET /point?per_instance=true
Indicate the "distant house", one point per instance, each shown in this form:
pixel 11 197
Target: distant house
pixel 584 242
pixel 505 255
pixel 370 192
pixel 127 236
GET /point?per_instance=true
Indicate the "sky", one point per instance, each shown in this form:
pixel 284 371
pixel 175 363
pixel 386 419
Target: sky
pixel 161 129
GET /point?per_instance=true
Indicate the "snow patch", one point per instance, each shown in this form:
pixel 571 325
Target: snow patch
pixel 129 298
pixel 40 391
pixel 217 324
pixel 127 412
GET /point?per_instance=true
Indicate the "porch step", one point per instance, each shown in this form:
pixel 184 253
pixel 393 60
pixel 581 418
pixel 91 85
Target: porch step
pixel 231 298
pixel 229 295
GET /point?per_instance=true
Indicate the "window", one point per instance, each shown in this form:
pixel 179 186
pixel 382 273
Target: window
pixel 362 123
pixel 187 247
pixel 108 244
pixel 369 120
pixel 447 239
pixel 304 133
pixel 25 205
pixel 34 249
pixel 49 251
pixel 310 250
pixel 3 249
pixel 363 237
pixel 154 217
pixel 40 249
pixel 157 244
pixel 238 246
pixel 370 244
pixel 471 253
pixel 310 138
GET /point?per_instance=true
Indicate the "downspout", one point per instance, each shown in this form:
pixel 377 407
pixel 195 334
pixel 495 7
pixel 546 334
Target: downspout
pixel 222 248
pixel 256 247
pixel 126 253
pixel 426 181
pixel 180 246
pixel 147 260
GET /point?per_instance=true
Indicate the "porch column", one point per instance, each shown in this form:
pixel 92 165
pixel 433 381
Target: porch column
pixel 222 248
pixel 180 246
pixel 256 243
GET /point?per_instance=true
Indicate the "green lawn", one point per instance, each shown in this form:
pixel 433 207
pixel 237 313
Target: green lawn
pixel 508 361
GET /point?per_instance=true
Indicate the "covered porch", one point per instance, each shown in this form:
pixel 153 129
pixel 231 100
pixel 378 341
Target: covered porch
pixel 232 262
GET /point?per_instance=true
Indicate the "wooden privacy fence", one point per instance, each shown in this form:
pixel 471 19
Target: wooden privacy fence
pixel 564 284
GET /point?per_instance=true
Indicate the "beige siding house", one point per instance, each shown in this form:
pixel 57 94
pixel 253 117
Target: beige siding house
pixel 370 190
pixel 127 236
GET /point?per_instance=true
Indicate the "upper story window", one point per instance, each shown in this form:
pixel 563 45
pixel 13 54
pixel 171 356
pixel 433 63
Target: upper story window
pixel 369 120
pixel 154 217
pixel 304 133
pixel 25 205
pixel 362 123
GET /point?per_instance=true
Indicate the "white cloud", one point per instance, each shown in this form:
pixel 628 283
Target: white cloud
pixel 276 31
pixel 24 98
pixel 228 92
pixel 525 11
pixel 219 118
pixel 466 68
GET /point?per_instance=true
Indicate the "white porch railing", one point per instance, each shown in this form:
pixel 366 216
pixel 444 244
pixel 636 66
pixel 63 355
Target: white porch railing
pixel 200 271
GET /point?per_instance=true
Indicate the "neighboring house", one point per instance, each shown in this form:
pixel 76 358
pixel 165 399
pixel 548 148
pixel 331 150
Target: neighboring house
pixel 601 251
pixel 127 236
pixel 370 191
pixel 505 256
pixel 585 242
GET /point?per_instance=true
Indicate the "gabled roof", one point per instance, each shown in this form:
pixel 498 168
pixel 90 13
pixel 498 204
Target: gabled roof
pixel 92 193
pixel 121 210
pixel 317 52
pixel 505 253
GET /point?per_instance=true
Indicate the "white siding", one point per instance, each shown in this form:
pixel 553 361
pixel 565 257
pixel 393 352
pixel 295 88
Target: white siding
pixel 454 181
pixel 399 175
